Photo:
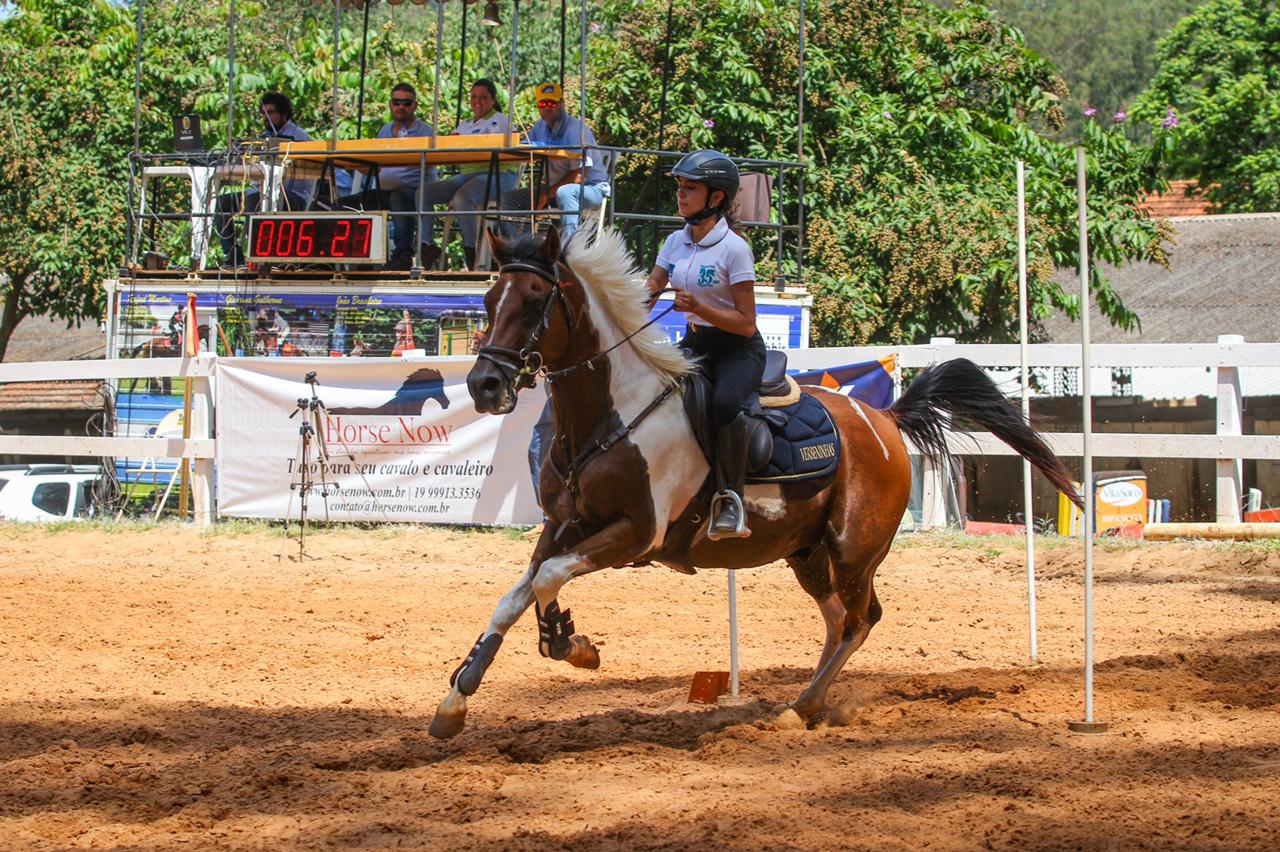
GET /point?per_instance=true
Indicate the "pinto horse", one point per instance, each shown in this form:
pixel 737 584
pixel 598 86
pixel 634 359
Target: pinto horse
pixel 621 483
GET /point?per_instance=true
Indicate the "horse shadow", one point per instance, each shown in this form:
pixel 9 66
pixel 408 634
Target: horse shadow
pixel 411 399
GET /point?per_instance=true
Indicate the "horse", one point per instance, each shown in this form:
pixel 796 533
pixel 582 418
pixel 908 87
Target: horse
pixel 411 399
pixel 622 482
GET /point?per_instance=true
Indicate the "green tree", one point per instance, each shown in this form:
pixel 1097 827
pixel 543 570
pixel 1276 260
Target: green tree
pixel 1104 49
pixel 915 117
pixel 62 225
pixel 1220 74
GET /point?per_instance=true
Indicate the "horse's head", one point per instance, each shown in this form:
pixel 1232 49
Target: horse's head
pixel 531 309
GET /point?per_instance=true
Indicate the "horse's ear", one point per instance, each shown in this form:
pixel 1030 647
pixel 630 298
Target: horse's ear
pixel 551 247
pixel 497 245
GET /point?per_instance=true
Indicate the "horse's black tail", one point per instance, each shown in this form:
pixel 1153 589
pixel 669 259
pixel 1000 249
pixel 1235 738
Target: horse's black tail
pixel 960 388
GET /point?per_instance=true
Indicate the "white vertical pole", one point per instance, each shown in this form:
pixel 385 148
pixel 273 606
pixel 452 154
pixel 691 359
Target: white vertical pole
pixel 1230 422
pixel 733 634
pixel 1088 726
pixel 1023 309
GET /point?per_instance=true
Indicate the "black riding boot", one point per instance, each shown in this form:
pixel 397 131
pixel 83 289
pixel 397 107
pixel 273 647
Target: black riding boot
pixel 729 516
pixel 470 254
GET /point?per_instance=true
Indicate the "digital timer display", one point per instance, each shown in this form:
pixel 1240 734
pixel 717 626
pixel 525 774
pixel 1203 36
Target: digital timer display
pixel 341 237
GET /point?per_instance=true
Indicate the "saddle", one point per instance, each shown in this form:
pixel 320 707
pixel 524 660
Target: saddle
pixel 791 436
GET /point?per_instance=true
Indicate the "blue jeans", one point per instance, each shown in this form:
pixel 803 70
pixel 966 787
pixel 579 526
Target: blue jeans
pixel 544 432
pixel 471 188
pixel 567 197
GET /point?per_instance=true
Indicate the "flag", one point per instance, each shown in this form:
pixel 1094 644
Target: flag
pixel 869 381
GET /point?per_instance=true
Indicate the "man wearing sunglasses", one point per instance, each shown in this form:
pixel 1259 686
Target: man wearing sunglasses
pixel 572 185
pixel 397 185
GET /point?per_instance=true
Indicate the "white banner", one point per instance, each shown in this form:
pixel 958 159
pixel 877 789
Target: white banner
pixel 404 441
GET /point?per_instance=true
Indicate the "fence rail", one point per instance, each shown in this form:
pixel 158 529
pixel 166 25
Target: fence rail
pixel 199 448
pixel 1228 446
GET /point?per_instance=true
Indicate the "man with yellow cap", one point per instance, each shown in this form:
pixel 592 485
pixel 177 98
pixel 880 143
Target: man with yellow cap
pixel 572 185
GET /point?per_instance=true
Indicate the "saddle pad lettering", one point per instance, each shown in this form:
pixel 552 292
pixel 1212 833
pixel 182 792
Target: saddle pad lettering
pixel 806 447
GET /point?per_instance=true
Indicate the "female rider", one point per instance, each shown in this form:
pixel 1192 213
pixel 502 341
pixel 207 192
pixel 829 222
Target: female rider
pixel 712 270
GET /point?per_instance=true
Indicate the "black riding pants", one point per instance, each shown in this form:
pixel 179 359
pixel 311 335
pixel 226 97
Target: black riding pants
pixel 734 363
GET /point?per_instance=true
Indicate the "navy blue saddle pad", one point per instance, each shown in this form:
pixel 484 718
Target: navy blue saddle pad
pixel 804 447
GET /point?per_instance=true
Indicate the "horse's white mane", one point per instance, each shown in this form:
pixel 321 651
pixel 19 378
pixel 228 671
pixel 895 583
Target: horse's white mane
pixel 600 260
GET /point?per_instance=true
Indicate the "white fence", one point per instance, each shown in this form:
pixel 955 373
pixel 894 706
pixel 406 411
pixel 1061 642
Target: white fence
pixel 199 447
pixel 1228 446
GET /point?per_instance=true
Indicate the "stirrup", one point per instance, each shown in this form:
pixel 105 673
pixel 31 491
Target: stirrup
pixel 740 531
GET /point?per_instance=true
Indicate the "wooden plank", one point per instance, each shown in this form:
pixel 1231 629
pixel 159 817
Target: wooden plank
pixel 1236 532
pixel 1049 355
pixel 123 368
pixel 1141 445
pixel 76 445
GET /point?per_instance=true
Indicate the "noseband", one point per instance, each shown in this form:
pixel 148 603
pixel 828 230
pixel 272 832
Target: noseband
pixel 521 366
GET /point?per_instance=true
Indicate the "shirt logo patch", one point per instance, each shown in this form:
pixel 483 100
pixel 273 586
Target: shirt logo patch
pixel 706 276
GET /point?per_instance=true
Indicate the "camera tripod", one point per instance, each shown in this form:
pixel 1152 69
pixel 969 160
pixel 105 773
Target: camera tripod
pixel 310 442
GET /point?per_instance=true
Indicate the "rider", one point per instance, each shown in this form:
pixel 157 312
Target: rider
pixel 712 270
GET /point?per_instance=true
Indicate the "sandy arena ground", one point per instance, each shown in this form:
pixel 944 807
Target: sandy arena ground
pixel 163 689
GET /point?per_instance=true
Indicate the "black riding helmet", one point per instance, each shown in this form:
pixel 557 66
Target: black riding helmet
pixel 715 170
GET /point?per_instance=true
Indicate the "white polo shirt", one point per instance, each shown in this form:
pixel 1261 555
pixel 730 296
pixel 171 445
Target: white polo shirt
pixel 708 269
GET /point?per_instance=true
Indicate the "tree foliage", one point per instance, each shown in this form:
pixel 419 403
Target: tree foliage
pixel 1219 69
pixel 915 117
pixel 1105 50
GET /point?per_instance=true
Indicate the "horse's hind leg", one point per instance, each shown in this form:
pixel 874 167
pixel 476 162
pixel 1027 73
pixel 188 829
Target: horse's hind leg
pixel 852 581
pixel 812 568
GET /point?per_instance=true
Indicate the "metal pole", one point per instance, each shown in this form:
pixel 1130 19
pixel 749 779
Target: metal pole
pixel 462 64
pixel 337 35
pixel 1023 309
pixel 364 51
pixel 800 156
pixel 435 88
pixel 137 86
pixel 733 634
pixel 1088 726
pixel 582 110
pixel 231 76
pixel 563 12
pixel 511 85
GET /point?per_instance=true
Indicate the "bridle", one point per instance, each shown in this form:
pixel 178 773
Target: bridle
pixel 520 367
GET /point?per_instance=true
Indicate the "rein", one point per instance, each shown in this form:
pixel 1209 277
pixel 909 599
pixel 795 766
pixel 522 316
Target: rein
pixel 521 367
pixel 552 375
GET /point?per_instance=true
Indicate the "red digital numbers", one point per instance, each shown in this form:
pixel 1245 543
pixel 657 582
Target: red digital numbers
pixel 312 237
pixel 306 244
pixel 266 238
pixel 364 229
pixel 339 246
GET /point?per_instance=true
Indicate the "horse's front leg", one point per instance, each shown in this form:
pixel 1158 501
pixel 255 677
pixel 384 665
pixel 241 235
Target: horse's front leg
pixel 451 715
pixel 619 543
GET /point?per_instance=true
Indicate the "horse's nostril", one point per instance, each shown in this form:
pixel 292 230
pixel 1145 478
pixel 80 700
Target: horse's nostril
pixel 490 386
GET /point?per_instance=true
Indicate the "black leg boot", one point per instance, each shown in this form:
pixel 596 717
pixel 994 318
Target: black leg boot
pixel 728 515
pixel 470 254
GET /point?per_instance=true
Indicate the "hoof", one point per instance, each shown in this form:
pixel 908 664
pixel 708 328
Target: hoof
pixel 803 710
pixel 450 716
pixel 583 654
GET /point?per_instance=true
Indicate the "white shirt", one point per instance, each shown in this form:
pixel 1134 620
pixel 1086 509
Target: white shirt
pixel 708 269
pixel 494 122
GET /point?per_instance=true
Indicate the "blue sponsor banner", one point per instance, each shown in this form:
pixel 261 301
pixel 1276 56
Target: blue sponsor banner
pixel 781 323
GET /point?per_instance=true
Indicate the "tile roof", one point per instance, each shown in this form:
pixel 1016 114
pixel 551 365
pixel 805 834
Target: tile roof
pixel 43 338
pixel 1224 278
pixel 1184 198
pixel 80 395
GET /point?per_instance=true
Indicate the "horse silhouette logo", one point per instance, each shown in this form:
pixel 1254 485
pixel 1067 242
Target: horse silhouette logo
pixel 411 398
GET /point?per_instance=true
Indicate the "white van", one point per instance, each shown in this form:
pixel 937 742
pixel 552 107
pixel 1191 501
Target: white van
pixel 46 492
